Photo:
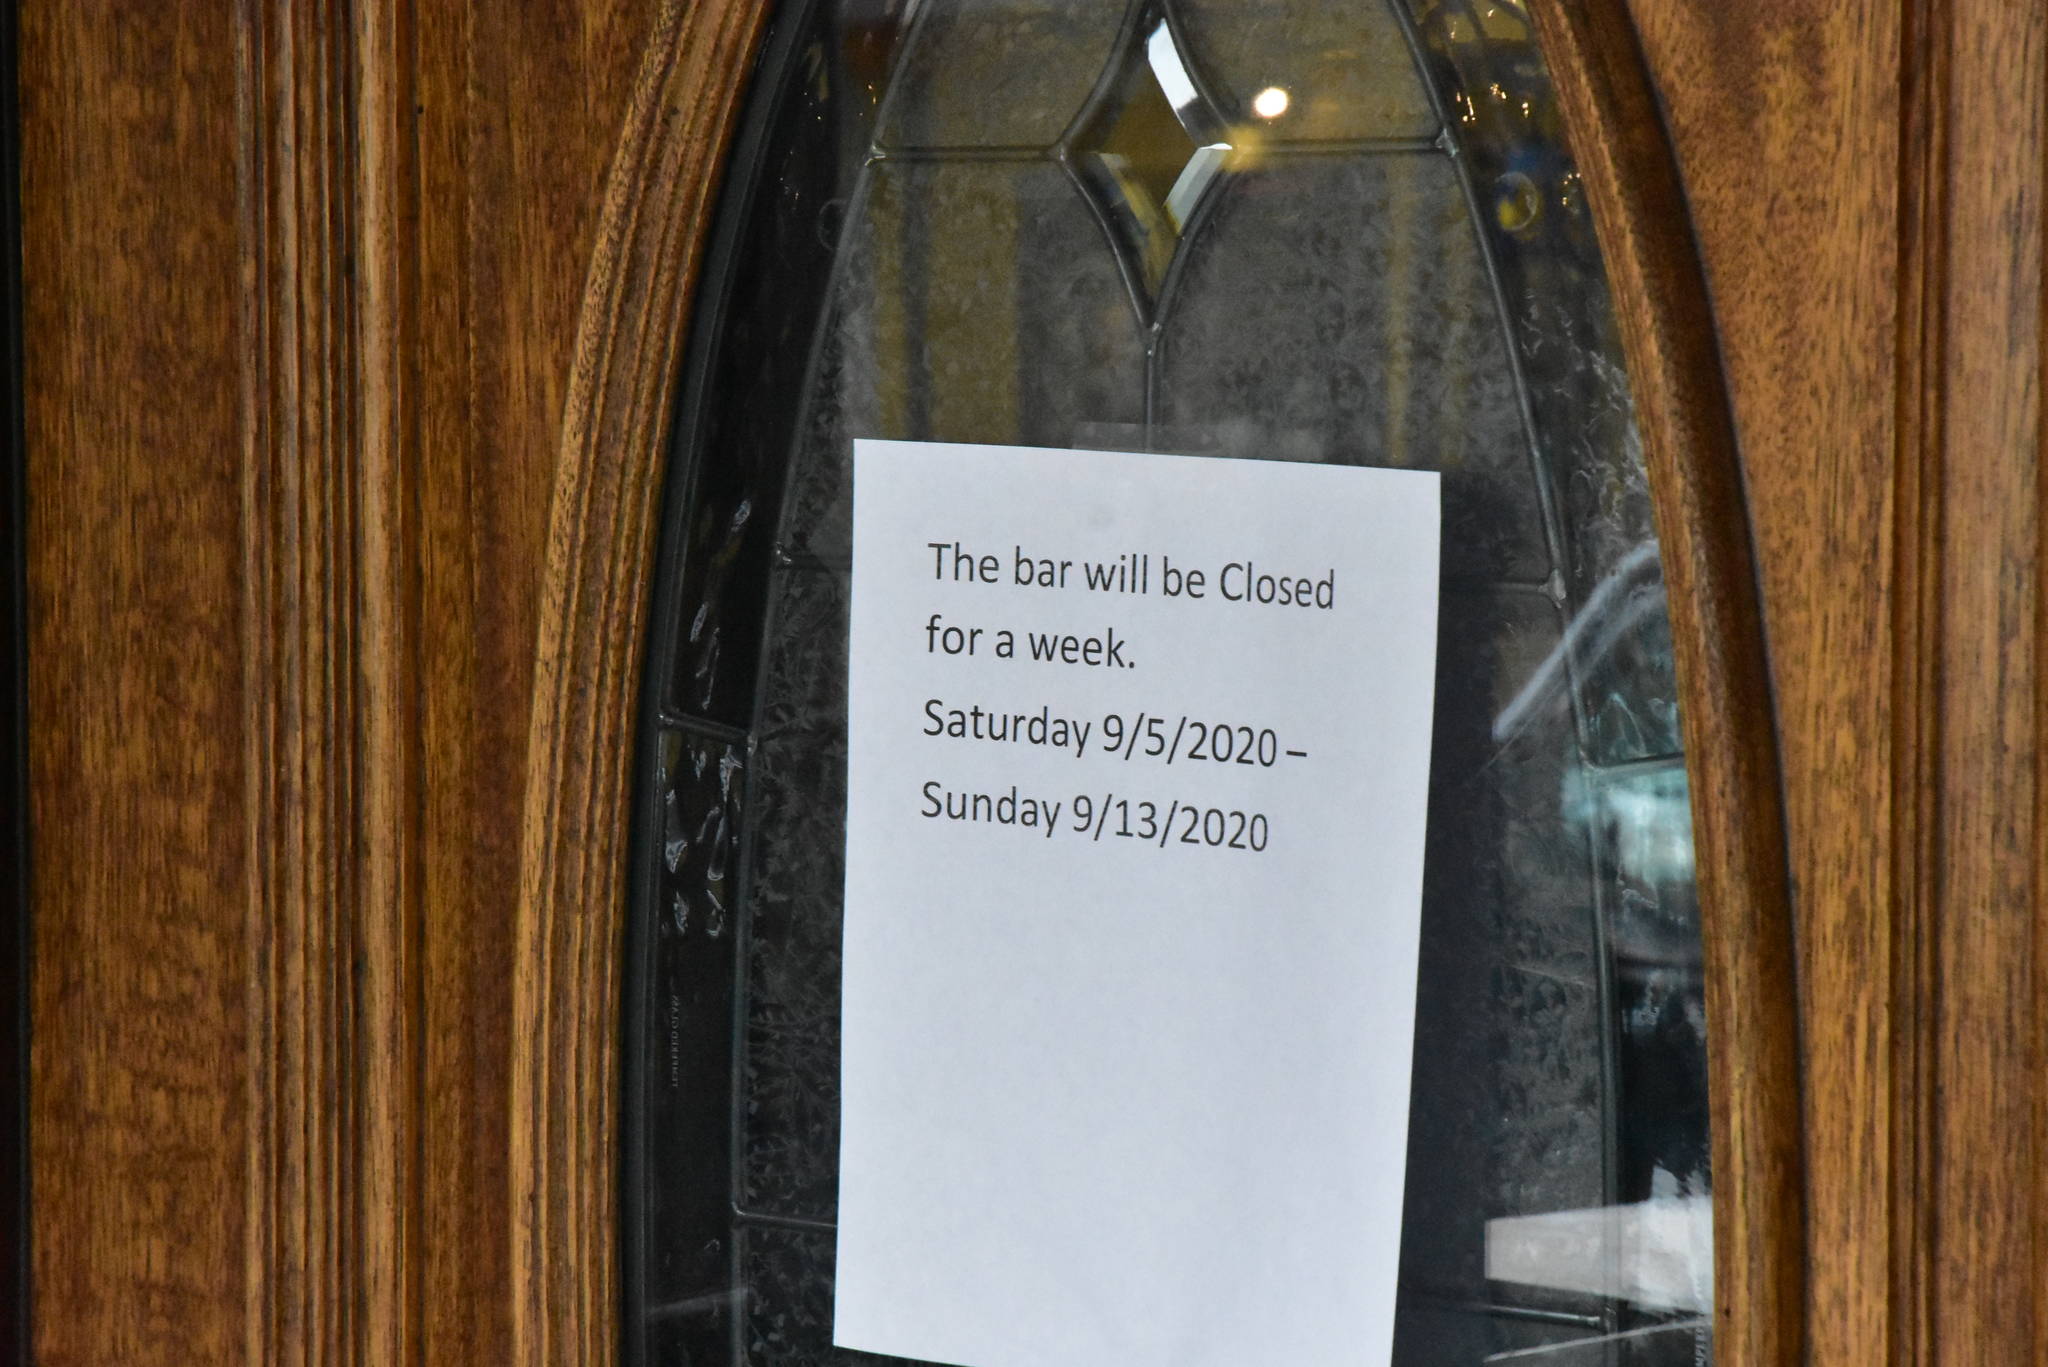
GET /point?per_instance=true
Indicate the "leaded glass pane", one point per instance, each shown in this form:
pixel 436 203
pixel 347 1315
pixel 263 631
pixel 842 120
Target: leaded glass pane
pixel 1263 229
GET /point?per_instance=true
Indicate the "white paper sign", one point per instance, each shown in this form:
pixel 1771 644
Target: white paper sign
pixel 1139 756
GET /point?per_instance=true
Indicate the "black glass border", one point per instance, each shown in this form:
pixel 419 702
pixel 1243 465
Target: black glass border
pixel 777 64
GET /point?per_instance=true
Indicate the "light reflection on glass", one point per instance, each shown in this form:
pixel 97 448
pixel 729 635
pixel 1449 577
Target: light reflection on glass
pixel 1148 150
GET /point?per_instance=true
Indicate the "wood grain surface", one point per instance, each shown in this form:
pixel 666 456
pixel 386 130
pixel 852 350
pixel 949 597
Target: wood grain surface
pixel 571 932
pixel 516 114
pixel 152 968
pixel 308 283
pixel 14 816
pixel 1690 449
pixel 1788 119
pixel 1864 184
pixel 300 659
pixel 390 1180
pixel 1978 1079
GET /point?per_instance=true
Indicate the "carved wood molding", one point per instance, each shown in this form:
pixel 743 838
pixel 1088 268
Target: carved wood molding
pixel 218 910
pixel 1865 188
pixel 1690 449
pixel 655 217
pixel 600 540
pixel 382 174
pixel 1969 984
pixel 330 633
pixel 304 303
pixel 321 746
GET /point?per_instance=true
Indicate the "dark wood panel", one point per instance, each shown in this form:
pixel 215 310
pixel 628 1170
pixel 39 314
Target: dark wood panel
pixel 148 947
pixel 14 819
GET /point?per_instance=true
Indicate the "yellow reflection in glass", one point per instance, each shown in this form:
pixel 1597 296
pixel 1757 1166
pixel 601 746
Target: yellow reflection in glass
pixel 1270 103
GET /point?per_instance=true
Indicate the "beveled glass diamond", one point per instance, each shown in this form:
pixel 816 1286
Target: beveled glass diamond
pixel 1147 148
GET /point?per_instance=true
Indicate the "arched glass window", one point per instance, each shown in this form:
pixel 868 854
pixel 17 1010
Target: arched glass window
pixel 1263 229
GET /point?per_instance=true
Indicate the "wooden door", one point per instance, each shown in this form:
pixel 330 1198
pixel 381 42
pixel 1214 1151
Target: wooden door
pixel 350 333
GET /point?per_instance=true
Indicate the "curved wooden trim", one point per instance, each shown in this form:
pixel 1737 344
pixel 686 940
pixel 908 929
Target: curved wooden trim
pixel 655 218
pixel 1695 470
